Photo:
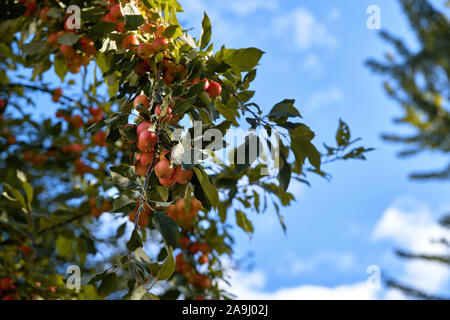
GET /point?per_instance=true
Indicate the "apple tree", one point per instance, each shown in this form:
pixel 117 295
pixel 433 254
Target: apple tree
pixel 131 182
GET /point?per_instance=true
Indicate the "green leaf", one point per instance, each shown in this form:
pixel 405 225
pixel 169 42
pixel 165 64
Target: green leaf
pixel 140 293
pixel 97 277
pixel 206 32
pixel 171 31
pixel 243 59
pixel 284 108
pixel 64 246
pixel 68 38
pixel 135 241
pixel 28 191
pixel 133 17
pixel 141 256
pixel 101 28
pixel 60 68
pixel 209 190
pixel 342 134
pixel 168 267
pixel 284 176
pixel 34 47
pixel 16 195
pixel 167 227
pixel 123 176
pixel 96 126
pixel 108 285
pixel 123 203
pixel 243 222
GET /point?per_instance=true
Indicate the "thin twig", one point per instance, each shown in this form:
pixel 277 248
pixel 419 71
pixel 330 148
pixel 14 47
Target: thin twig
pixel 43 90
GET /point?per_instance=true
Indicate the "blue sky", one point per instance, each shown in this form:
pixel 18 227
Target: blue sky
pixel 315 53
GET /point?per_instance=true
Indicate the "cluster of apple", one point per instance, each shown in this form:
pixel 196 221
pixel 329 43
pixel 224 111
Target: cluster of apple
pixel 7 286
pixel 203 249
pixel 76 55
pixel 96 211
pixel 35 158
pixel 76 120
pixel 213 88
pixel 196 279
pixel 146 139
pixel 25 249
pixel 82 168
pixel 183 217
pixel 74 147
pixel 99 139
pixel 114 15
pixel 57 94
pixel 8 136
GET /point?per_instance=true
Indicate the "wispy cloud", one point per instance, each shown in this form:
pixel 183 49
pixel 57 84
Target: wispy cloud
pixel 250 286
pixel 305 29
pixel 338 261
pixel 324 97
pixel 334 15
pixel 412 226
pixel 247 7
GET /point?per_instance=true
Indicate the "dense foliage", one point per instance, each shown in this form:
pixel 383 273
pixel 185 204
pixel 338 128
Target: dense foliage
pixel 113 153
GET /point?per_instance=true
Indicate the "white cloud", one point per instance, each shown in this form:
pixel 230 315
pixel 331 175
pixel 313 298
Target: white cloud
pixel 305 29
pixel 334 15
pixel 325 97
pixel 341 261
pixel 311 62
pixel 412 227
pixel 407 223
pixel 246 7
pixel 249 286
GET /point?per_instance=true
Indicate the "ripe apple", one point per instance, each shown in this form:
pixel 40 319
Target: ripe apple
pixel 43 14
pixel 167 117
pixel 142 127
pixel 115 11
pixel 182 176
pixel 66 51
pixel 53 38
pixel 142 68
pixel 205 83
pixel 56 95
pixel 203 259
pixel 160 43
pixel 88 46
pixel 147 141
pixel 184 242
pixel 163 169
pixel 141 169
pixel 74 65
pixel 130 42
pixel 167 182
pixel 147 27
pixel 145 51
pixel 214 90
pixel 146 158
pixel 142 99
